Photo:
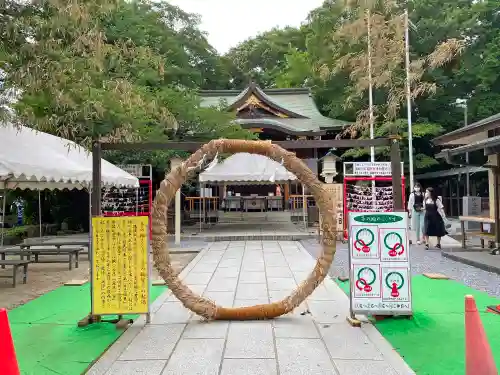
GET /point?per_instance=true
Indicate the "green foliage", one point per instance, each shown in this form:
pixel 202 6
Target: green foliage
pixel 123 71
pixel 474 75
pixel 263 58
pixel 21 231
pixel 422 132
pixel 297 71
pixel 74 82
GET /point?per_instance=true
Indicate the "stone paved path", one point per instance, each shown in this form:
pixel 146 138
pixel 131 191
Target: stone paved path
pixel 318 342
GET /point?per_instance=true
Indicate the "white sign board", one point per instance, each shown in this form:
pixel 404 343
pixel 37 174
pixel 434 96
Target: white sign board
pixel 134 169
pixel 379 263
pixel 371 169
pixel 472 207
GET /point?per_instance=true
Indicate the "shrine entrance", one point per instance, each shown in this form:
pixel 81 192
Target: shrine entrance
pixel 170 188
pixel 293 205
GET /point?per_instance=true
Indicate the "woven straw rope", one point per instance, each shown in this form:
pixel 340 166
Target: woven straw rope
pixel 205 307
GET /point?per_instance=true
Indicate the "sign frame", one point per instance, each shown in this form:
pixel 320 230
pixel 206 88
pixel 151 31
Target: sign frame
pixel 381 305
pixel 137 170
pixel 380 168
pixel 148 269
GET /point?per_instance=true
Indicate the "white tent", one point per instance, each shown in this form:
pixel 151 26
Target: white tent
pixel 36 160
pixel 247 168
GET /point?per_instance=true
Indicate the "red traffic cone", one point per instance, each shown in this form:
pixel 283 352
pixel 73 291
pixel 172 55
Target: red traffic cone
pixel 8 361
pixel 478 357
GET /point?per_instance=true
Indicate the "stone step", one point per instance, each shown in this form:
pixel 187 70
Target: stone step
pixel 254 217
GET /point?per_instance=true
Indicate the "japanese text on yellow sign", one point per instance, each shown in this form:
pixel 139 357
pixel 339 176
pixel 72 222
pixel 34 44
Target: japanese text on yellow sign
pixel 120 283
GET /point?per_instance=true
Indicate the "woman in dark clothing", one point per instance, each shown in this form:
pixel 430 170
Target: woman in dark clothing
pixel 433 218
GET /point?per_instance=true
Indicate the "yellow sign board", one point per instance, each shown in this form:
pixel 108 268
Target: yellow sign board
pixel 120 267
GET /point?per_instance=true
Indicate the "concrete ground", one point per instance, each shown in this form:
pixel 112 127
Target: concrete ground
pixel 313 340
pixel 480 259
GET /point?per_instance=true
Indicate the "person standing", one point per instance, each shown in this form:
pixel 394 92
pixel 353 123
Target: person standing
pixel 434 218
pixel 416 211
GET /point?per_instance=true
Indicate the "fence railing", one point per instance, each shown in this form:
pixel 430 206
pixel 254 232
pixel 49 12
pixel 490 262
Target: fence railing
pixel 297 201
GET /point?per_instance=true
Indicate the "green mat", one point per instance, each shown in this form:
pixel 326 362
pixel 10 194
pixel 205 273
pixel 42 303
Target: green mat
pixel 46 336
pixel 433 342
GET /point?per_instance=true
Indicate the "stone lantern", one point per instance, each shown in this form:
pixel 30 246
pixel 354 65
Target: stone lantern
pixel 329 166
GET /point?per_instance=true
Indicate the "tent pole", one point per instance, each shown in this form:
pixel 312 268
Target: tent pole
pixel 199 208
pixel 304 209
pixel 178 217
pixel 204 212
pixel 40 211
pixel 4 203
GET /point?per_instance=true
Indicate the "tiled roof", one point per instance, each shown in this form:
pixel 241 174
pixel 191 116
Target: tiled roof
pixel 298 101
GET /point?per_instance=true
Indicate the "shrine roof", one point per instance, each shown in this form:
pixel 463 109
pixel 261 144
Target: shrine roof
pixel 295 109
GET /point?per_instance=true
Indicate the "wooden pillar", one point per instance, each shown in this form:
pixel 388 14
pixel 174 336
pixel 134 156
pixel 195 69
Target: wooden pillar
pixel 397 188
pixel 96 212
pixel 496 196
pixel 96 178
pixel 174 163
pixel 222 191
pixel 287 194
pixel 492 159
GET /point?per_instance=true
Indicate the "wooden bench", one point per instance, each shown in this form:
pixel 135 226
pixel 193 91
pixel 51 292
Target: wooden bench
pixel 15 265
pixel 43 243
pixel 483 236
pixel 28 251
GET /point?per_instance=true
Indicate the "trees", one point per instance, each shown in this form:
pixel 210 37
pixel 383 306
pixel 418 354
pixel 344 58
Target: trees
pixel 384 59
pixel 335 37
pixel 423 131
pixel 76 84
pixel 474 76
pixel 119 70
pixel 264 57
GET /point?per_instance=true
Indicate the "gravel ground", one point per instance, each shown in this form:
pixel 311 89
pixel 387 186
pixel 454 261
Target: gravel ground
pixel 44 277
pixel 422 261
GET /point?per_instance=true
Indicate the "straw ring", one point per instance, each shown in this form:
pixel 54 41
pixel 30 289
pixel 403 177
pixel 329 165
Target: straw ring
pixel 203 306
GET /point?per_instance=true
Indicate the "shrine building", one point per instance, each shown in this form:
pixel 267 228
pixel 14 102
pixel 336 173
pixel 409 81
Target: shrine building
pixel 249 183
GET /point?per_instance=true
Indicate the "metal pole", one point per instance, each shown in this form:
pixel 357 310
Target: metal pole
pixel 408 98
pixel 397 187
pixel 467 174
pixel 370 85
pixel 40 211
pixel 370 98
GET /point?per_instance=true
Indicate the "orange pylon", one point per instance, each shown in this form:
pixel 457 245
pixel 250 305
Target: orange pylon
pixel 8 361
pixel 478 357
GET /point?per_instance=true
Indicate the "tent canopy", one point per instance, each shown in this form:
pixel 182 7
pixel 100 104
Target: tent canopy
pixel 36 160
pixel 247 168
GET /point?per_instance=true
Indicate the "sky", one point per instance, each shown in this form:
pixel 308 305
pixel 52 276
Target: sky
pixel 229 22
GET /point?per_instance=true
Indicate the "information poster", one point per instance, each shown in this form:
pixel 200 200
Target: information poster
pixel 120 266
pixel 379 263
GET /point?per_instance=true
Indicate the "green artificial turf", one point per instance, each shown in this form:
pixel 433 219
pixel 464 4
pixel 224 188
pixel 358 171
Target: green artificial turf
pixel 47 338
pixel 433 341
